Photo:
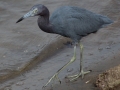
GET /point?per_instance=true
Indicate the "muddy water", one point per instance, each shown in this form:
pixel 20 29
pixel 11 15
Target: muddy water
pixel 21 42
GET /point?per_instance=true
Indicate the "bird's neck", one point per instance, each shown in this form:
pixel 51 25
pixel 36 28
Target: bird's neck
pixel 44 24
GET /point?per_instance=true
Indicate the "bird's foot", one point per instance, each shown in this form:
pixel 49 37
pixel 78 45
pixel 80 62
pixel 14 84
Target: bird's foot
pixel 55 76
pixel 74 77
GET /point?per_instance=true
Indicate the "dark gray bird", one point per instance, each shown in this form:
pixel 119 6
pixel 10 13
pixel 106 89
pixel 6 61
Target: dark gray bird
pixel 68 21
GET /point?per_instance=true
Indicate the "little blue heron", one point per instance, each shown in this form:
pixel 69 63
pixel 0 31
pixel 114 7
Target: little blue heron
pixel 68 21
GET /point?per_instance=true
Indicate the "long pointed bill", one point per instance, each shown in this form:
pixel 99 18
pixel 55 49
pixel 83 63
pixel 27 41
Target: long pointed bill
pixel 29 14
pixel 20 20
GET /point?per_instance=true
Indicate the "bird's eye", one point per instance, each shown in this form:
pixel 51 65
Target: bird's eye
pixel 35 10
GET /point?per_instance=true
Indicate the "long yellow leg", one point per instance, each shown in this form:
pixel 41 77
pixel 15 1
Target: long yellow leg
pixel 82 73
pixel 55 76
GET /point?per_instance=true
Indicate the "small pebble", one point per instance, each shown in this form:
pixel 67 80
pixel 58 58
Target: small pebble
pixel 25 51
pixel 69 70
pixel 108 47
pixel 100 48
pixel 19 83
pixel 87 81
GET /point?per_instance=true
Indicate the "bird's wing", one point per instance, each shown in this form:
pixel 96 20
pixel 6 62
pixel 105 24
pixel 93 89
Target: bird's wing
pixel 71 21
pixel 82 21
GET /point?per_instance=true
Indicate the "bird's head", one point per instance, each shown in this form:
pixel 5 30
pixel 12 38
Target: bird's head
pixel 37 10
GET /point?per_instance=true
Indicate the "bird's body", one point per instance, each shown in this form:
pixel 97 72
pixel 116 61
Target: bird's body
pixel 68 21
pixel 75 22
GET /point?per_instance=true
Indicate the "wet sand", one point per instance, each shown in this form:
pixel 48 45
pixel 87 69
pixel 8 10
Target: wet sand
pixel 19 43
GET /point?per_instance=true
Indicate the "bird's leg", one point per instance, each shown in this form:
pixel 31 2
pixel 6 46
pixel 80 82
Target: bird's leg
pixel 55 76
pixel 82 73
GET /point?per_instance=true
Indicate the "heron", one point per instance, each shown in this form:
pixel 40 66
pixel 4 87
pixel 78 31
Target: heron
pixel 68 21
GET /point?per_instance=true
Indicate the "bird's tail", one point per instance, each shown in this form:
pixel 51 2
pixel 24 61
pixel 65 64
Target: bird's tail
pixel 106 20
